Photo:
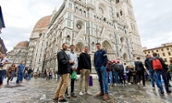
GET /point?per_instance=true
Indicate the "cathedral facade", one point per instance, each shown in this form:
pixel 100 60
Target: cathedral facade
pixel 84 23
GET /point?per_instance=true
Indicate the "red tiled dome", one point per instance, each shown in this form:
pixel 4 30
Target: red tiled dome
pixel 23 44
pixel 43 22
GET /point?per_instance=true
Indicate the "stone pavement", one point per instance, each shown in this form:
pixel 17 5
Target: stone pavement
pixel 41 91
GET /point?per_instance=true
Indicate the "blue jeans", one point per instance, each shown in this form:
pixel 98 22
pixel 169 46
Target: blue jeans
pixel 2 75
pixel 28 77
pixel 158 74
pixel 152 76
pixel 110 77
pixel 116 76
pixel 19 77
pixel 103 79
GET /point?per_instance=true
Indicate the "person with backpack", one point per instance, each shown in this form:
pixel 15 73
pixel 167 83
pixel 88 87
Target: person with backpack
pixel 139 68
pixel 121 73
pixel 159 66
pixel 150 69
pixel 115 72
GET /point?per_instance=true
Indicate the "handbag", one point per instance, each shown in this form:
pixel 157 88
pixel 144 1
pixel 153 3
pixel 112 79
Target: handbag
pixel 90 80
pixel 74 75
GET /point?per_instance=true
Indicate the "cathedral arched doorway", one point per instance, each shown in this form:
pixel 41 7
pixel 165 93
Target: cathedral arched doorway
pixel 108 48
pixel 106 45
pixel 79 47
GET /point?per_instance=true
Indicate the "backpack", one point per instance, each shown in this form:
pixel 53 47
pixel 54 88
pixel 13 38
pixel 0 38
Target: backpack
pixel 117 68
pixel 156 64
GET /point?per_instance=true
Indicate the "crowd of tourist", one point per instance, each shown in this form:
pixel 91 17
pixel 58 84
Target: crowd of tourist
pixel 109 72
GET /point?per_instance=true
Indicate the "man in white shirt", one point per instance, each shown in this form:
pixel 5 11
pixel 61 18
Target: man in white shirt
pixel 72 56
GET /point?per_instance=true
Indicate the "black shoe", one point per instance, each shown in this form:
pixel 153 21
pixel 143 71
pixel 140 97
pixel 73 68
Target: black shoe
pixel 56 98
pixel 168 91
pixel 67 96
pixel 73 95
pixel 162 92
pixel 62 100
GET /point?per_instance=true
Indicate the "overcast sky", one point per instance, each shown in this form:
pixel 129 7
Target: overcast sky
pixel 154 19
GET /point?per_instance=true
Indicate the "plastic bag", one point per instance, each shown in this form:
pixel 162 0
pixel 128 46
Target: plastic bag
pixel 74 75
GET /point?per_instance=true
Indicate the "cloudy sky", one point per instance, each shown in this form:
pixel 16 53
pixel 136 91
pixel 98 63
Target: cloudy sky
pixel 154 19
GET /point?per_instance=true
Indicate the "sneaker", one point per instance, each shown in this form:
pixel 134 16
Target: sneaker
pixel 89 93
pixel 73 95
pixel 62 100
pixel 67 96
pixel 81 93
pixel 129 83
pixel 138 83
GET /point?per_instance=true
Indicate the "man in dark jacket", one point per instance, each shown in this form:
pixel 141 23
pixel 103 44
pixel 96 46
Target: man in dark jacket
pixel 139 71
pixel 151 71
pixel 159 72
pixel 85 69
pixel 64 66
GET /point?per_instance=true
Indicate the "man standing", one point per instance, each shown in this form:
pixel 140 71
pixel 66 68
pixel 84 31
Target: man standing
pixel 85 69
pixel 159 66
pixel 64 70
pixel 72 56
pixel 100 62
pixel 151 71
pixel 3 66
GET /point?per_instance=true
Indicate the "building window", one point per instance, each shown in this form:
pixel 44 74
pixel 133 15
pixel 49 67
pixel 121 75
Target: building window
pixel 121 12
pixel 165 60
pixel 167 48
pixel 117 1
pixel 169 53
pixel 156 50
pixel 70 5
pixel 163 54
pixel 162 49
pixel 117 15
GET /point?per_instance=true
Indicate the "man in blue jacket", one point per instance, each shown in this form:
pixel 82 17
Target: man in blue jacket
pixel 100 62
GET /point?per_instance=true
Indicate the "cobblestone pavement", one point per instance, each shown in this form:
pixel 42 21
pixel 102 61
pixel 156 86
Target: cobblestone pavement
pixel 41 91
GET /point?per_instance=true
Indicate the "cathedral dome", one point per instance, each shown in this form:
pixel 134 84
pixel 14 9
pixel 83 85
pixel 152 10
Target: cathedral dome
pixel 43 22
pixel 23 44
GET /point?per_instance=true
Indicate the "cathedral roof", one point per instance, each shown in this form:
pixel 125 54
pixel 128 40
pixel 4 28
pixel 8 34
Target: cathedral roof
pixel 23 44
pixel 43 22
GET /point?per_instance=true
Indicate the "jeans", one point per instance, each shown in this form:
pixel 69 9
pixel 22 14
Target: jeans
pixel 152 76
pixel 19 77
pixel 116 76
pixel 158 74
pixel 122 77
pixel 140 76
pixel 72 83
pixel 110 77
pixel 12 75
pixel 103 79
pixel 28 77
pixel 2 75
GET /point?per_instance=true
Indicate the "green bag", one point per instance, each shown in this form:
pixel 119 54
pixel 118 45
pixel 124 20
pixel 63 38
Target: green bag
pixel 74 75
